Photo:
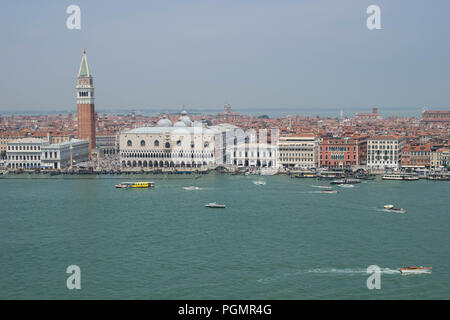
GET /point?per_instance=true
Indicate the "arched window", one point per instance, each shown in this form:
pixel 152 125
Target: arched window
pixel 179 143
pixel 142 143
pixel 247 139
pixel 192 145
pixel 206 144
pixel 156 143
pixel 167 145
pixel 129 143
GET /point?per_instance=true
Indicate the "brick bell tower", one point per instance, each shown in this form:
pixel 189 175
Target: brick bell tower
pixel 85 103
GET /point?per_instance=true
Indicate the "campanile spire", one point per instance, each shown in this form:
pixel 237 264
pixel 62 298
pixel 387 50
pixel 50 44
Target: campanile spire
pixel 85 103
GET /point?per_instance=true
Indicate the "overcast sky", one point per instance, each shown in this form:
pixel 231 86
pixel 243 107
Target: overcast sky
pixel 252 54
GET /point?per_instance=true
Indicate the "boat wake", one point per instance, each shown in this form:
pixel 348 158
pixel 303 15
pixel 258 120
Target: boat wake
pixel 259 182
pixel 191 188
pixel 325 271
pixel 351 271
pixel 310 192
pixel 322 187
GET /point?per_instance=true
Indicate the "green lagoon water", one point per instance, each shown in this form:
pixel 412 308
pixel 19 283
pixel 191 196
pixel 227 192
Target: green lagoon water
pixel 283 240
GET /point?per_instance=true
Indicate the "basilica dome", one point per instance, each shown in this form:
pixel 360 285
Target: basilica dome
pixel 179 124
pixel 164 123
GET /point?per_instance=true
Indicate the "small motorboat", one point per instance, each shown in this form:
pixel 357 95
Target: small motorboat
pixel 259 183
pixel 345 181
pixel 330 191
pixel 391 208
pixel 415 270
pixel 191 188
pixel 215 205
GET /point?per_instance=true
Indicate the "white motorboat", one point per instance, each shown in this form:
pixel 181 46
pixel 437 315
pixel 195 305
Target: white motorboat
pixel 346 186
pixel 259 183
pixel 415 270
pixel 191 188
pixel 215 205
pixel 391 208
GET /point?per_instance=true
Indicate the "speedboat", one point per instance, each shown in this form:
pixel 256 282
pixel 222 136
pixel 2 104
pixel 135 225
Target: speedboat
pixel 191 188
pixel 259 183
pixel 415 270
pixel 330 191
pixel 391 208
pixel 215 205
pixel 345 181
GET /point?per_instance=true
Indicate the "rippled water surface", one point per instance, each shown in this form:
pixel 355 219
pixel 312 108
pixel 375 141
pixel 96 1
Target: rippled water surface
pixel 282 240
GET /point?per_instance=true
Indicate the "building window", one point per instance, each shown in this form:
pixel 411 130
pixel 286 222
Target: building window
pixel 129 143
pixel 156 143
pixel 142 143
pixel 167 145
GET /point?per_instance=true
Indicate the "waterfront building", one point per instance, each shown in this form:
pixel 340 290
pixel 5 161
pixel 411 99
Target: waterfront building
pixel 383 152
pixel 59 138
pixel 436 117
pixel 415 157
pixel 85 103
pixel 184 144
pixel 298 152
pixel 339 153
pixel 255 154
pixel 107 145
pixel 4 140
pixel 64 154
pixel 440 158
pixel 25 153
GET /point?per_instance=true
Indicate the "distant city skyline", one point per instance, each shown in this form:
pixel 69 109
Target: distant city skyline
pixel 257 56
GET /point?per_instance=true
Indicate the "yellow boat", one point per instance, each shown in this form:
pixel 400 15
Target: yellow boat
pixel 135 185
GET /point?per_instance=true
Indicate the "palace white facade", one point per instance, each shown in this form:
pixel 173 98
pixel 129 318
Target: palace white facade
pixel 181 145
pixel 298 152
pixel 61 155
pixel 254 154
pixel 33 153
pixel 383 152
pixel 25 153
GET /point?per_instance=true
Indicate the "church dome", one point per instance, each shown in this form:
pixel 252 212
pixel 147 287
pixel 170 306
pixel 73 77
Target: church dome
pixel 179 124
pixel 164 123
pixel 186 120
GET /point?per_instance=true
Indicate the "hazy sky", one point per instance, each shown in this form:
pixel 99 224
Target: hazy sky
pixel 251 54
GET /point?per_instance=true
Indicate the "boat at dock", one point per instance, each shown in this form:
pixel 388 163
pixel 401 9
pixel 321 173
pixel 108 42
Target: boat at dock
pixel 140 184
pixel 215 205
pixel 391 208
pixel 400 177
pixel 306 174
pixel 439 176
pixel 415 270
